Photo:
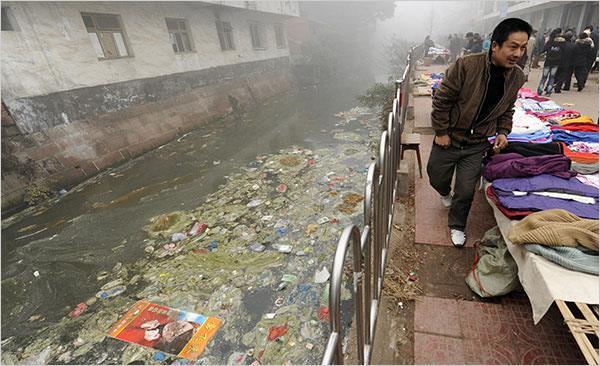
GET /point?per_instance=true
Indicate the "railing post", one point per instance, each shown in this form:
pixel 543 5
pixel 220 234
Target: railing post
pixel 379 202
pixel 335 287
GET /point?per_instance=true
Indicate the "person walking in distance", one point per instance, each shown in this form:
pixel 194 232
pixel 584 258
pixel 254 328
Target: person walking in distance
pixel 553 50
pixel 565 69
pixel 529 53
pixel 582 54
pixel 473 102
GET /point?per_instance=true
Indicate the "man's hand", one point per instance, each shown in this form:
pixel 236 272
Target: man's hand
pixel 442 141
pixel 500 143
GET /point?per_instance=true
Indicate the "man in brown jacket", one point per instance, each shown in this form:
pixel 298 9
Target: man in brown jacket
pixel 473 102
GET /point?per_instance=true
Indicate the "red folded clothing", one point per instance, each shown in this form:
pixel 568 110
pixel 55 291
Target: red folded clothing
pixel 580 157
pixel 581 127
pixel 511 214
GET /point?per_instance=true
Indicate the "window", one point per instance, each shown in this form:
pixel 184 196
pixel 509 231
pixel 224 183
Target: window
pixel 250 5
pixel 225 32
pixel 107 35
pixel 7 22
pixel 257 35
pixel 180 35
pixel 280 36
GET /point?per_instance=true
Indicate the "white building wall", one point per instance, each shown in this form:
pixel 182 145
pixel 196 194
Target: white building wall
pixel 51 50
pixel 280 7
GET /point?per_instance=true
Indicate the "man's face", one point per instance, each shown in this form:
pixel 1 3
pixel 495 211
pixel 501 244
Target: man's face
pixel 511 50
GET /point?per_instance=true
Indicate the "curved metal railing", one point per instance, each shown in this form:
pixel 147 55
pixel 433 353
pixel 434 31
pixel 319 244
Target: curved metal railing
pixel 371 248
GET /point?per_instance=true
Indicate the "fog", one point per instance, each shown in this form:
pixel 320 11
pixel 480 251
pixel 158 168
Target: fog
pixel 413 20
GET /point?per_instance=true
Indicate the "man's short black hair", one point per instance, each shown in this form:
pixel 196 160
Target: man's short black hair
pixel 590 27
pixel 508 26
pixel 583 35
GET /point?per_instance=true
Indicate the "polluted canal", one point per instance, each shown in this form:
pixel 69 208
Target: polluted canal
pixel 236 221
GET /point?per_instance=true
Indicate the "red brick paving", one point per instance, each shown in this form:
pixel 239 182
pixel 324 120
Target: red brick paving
pixel 468 332
pixel 431 218
pixel 449 331
pixel 437 316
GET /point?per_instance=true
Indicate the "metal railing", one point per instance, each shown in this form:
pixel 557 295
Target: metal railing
pixel 370 249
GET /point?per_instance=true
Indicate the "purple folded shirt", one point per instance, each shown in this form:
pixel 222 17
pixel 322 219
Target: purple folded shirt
pixel 504 187
pixel 545 183
pixel 513 165
pixel 534 202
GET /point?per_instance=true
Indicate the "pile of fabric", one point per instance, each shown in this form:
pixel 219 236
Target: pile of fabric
pixel 428 83
pixel 548 178
pixel 438 51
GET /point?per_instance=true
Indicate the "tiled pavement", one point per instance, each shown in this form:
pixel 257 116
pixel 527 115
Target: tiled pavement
pixel 449 331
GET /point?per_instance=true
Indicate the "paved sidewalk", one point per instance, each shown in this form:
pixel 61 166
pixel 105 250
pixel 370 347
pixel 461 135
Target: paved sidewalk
pixel 451 324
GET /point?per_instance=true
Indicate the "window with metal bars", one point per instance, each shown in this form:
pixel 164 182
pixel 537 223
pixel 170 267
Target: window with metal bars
pixel 280 36
pixel 225 32
pixel 179 35
pixel 107 35
pixel 257 36
pixel 8 22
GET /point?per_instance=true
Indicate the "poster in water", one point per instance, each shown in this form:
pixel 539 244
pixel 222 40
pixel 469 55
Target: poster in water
pixel 177 332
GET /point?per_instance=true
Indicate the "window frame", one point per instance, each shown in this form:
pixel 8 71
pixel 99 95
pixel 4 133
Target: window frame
pixel 10 20
pixel 260 33
pixel 281 27
pixel 222 31
pixel 95 29
pixel 186 30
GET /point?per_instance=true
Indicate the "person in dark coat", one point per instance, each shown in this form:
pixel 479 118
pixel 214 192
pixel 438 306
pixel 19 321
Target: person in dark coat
pixel 581 59
pixel 553 49
pixel 477 45
pixel 565 69
pixel 539 49
pixel 593 34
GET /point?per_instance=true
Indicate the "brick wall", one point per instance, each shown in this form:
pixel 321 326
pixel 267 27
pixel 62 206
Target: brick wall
pixel 68 153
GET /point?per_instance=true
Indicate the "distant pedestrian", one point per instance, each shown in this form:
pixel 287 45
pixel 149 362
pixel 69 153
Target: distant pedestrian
pixel 530 56
pixel 487 42
pixel 426 44
pixel 582 54
pixel 455 46
pixel 467 42
pixel 553 50
pixel 539 49
pixel 565 69
pixel 593 34
pixel 476 44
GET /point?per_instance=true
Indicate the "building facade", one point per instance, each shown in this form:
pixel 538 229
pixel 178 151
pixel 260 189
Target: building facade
pixel 542 15
pixel 90 84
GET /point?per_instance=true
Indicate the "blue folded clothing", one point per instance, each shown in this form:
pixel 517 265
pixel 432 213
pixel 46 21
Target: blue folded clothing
pixel 569 137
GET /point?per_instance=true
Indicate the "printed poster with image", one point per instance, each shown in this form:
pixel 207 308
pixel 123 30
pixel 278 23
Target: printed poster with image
pixel 177 332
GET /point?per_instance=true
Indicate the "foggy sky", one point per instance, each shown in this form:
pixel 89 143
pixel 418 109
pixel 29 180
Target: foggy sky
pixel 414 20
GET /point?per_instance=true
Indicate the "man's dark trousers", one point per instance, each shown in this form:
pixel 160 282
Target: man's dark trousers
pixel 467 163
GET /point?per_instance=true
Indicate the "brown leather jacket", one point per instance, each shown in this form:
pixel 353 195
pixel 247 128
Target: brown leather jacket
pixel 458 99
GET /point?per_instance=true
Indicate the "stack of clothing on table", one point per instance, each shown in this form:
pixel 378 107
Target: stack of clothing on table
pixel 539 120
pixel 523 184
pixel 561 237
pixel 547 177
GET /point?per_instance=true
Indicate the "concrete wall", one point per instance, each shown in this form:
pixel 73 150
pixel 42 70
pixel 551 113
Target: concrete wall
pixel 290 8
pixel 73 115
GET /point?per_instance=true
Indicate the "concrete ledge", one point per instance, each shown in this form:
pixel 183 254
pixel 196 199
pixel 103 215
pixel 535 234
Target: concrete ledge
pixel 403 179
